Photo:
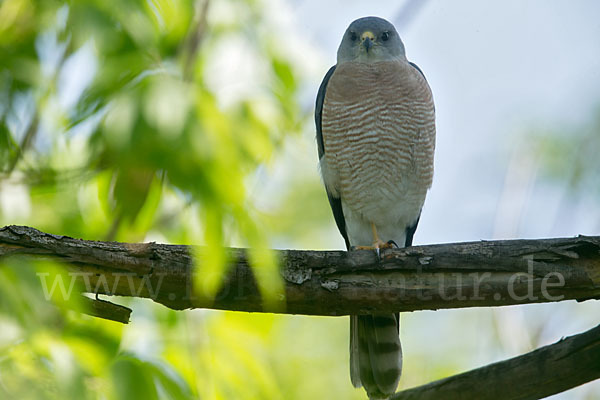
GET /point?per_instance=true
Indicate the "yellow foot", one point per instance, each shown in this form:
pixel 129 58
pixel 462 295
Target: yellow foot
pixel 378 245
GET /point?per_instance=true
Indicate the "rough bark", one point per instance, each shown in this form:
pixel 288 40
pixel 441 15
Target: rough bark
pixel 430 277
pixel 476 274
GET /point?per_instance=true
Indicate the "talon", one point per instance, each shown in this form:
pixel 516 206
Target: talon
pixel 378 244
pixel 353 248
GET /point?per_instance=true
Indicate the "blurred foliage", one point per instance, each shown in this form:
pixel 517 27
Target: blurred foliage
pixel 48 352
pixel 572 157
pixel 121 120
pixel 153 120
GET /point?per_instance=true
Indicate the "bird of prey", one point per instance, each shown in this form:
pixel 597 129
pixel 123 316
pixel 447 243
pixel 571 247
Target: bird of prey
pixel 375 122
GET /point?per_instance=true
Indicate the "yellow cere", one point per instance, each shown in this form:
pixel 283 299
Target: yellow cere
pixel 367 34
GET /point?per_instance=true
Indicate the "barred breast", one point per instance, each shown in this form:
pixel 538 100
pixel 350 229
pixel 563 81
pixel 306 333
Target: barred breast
pixel 378 129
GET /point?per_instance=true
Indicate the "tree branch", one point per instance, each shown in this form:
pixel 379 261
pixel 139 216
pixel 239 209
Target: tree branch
pixel 475 274
pixel 106 310
pixel 546 371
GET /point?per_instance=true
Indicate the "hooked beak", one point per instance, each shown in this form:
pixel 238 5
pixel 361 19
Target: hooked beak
pixel 367 39
pixel 368 43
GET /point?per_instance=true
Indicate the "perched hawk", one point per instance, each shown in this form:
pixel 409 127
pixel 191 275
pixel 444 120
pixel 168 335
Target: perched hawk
pixel 376 137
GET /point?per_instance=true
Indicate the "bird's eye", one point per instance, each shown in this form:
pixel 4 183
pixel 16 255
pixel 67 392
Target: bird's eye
pixel 353 36
pixel 385 36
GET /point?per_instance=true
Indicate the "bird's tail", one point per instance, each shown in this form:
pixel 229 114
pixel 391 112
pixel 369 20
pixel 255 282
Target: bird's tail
pixel 375 354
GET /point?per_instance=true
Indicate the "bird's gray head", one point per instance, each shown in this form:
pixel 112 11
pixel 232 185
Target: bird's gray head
pixel 370 39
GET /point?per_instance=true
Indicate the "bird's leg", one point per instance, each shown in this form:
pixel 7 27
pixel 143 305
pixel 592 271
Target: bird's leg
pixel 378 244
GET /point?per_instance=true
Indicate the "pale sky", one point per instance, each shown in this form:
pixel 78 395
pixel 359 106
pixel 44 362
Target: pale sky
pixel 498 70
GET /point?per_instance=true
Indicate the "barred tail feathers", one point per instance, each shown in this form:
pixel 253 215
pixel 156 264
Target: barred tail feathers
pixel 375 354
